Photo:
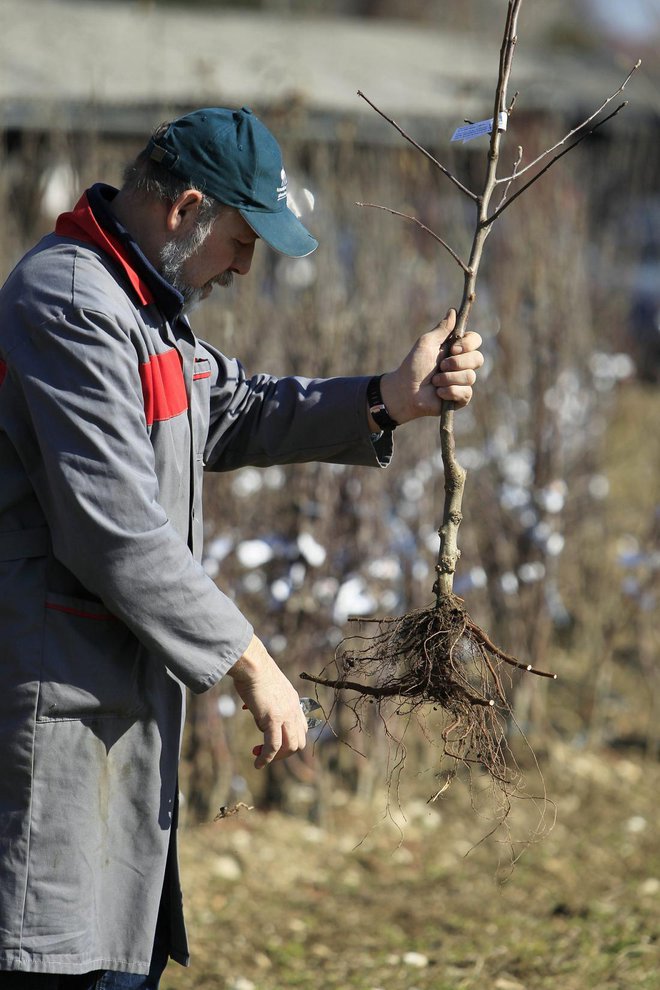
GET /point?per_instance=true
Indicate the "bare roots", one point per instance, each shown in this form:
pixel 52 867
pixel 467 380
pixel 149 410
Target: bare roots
pixel 436 656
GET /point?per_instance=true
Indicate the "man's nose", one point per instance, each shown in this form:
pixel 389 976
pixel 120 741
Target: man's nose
pixel 243 259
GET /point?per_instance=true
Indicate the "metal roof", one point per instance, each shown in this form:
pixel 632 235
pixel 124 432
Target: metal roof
pixel 124 66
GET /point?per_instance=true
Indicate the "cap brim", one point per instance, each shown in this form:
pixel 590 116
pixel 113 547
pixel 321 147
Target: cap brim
pixel 282 231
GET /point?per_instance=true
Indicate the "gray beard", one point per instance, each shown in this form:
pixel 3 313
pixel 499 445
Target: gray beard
pixel 173 256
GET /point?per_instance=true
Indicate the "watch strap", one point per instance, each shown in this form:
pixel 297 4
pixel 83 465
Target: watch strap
pixel 377 407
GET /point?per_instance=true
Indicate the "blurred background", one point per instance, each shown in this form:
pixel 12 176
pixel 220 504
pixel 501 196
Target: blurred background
pixel 560 552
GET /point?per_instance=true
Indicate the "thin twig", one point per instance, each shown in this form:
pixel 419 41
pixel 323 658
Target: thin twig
pixel 427 154
pixel 552 161
pixel 514 175
pixel 407 216
pixel 548 151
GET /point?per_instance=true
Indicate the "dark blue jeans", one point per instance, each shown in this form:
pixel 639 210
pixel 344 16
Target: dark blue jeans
pixel 100 979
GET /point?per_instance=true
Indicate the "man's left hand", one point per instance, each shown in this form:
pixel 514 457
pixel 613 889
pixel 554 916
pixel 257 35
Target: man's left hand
pixel 430 373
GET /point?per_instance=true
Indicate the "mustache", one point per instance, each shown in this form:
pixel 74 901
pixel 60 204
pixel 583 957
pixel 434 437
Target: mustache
pixel 224 279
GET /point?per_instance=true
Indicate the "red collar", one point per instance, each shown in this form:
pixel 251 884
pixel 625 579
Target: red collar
pixel 82 225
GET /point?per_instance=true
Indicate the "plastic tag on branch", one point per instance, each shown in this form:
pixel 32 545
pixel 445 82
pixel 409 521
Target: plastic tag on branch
pixel 470 131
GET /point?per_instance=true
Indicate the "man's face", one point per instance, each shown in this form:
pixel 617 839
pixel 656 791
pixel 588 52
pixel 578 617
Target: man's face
pixel 194 267
pixel 228 248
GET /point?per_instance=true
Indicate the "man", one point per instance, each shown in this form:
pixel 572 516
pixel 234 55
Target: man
pixel 110 409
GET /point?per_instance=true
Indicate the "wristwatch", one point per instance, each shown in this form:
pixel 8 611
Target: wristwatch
pixel 377 407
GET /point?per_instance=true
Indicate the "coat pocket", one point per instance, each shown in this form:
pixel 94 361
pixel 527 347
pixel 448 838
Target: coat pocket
pixel 200 400
pixel 92 664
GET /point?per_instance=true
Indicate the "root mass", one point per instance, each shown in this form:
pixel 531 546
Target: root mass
pixel 436 656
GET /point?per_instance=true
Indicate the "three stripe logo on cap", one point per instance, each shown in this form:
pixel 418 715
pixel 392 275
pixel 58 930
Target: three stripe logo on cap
pixel 281 190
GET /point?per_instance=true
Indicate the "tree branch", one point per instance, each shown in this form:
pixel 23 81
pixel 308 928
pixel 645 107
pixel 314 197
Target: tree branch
pixel 427 154
pixel 407 216
pixel 344 685
pixel 516 175
pixel 448 551
pixel 506 60
pixel 552 161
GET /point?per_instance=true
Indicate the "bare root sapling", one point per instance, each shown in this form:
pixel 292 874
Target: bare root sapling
pixel 438 656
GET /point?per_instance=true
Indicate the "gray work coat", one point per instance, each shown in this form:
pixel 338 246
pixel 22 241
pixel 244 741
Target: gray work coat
pixel 110 409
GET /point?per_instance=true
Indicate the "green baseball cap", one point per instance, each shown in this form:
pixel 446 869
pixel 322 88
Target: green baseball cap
pixel 231 156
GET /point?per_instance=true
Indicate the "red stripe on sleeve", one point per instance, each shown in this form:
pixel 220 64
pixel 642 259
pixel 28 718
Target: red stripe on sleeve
pixel 163 387
pixel 3 371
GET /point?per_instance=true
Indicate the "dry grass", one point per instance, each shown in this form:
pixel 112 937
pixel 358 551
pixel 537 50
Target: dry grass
pixel 276 902
pixel 408 898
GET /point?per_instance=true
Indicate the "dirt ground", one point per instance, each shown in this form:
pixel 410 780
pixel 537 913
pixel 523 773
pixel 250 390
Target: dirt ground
pixel 410 899
pixel 373 901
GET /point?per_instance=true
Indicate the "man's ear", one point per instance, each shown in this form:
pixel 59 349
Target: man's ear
pixel 183 211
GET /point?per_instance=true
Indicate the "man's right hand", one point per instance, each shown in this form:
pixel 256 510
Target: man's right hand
pixel 273 702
